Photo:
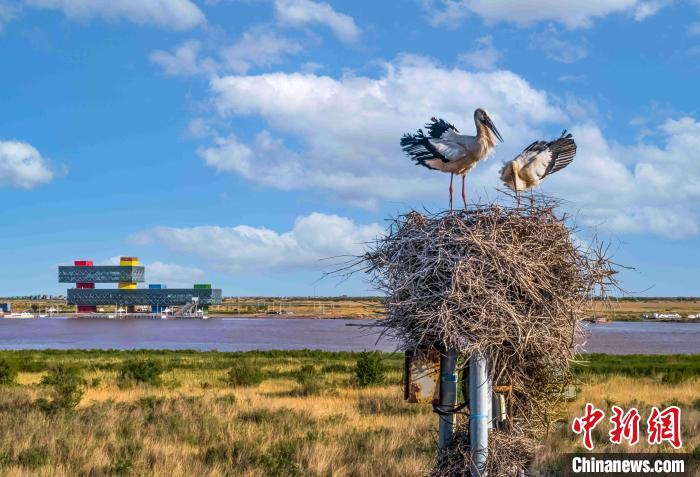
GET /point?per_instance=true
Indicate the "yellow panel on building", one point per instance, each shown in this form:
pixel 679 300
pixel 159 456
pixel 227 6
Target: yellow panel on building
pixel 127 286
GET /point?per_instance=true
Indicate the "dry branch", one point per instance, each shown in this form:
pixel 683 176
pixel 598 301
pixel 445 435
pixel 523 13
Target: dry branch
pixel 513 284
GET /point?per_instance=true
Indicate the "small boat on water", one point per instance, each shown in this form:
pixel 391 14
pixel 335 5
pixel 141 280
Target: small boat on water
pixel 24 314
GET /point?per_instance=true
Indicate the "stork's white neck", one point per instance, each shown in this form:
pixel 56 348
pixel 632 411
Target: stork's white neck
pixel 485 136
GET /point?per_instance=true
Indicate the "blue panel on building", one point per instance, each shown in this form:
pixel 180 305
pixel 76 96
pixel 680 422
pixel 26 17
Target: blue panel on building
pixel 153 297
pixel 101 274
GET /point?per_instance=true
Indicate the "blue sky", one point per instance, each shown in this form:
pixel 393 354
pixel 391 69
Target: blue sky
pixel 241 142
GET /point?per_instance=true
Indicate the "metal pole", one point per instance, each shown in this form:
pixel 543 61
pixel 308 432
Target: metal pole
pixel 480 401
pixel 448 396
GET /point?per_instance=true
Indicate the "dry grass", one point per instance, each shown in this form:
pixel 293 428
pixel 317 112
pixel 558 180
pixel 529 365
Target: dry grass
pixel 370 308
pixel 633 309
pixel 195 424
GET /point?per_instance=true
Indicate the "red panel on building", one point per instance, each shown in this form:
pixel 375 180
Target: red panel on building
pixel 84 285
pixel 83 263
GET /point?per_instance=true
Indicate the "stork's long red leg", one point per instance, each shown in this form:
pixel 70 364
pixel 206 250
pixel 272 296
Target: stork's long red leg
pixel 464 193
pixel 451 177
pixel 518 194
pixel 532 197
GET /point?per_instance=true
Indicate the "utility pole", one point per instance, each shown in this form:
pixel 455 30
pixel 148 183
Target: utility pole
pixel 480 413
pixel 448 397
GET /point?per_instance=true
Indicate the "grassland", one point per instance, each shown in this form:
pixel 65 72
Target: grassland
pixel 306 416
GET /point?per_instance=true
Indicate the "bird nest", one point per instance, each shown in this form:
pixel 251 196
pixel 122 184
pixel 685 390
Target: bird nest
pixel 507 456
pixel 512 284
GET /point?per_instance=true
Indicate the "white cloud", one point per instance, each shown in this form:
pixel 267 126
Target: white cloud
pixel 170 14
pixel 257 47
pixel 170 274
pixel 637 188
pixel 555 48
pixel 483 55
pixel 173 275
pixel 341 135
pixel 21 165
pixel 570 13
pixel 198 128
pixel 313 238
pixel 302 12
pixel 182 61
pixel 8 12
pixel 348 129
pixel 648 9
pixel 260 47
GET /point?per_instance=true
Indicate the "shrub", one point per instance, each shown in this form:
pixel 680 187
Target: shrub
pixel 8 370
pixel 67 387
pixel 143 371
pixel 676 377
pixel 336 368
pixel 33 457
pixel 243 374
pixel 227 399
pixel 370 369
pixel 305 374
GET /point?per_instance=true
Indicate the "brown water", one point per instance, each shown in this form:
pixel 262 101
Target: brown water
pixel 238 334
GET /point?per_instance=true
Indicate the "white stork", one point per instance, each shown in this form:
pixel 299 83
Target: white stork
pixel 537 161
pixel 444 149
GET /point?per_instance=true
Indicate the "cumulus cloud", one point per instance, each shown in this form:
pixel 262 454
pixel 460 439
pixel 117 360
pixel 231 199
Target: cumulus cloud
pixel 558 49
pixel 8 12
pixel 243 248
pixel 346 130
pixel 303 12
pixel 182 61
pixel 173 275
pixel 341 135
pixel 483 55
pixel 260 47
pixel 169 14
pixel 169 274
pixel 637 188
pixel 570 13
pixel 648 9
pixel 21 165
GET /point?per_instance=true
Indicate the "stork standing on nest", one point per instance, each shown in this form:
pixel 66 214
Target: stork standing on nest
pixel 444 149
pixel 537 161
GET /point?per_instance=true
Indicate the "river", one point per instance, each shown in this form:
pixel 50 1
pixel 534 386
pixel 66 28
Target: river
pixel 239 334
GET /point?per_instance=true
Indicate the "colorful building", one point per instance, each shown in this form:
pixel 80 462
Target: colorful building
pixel 127 275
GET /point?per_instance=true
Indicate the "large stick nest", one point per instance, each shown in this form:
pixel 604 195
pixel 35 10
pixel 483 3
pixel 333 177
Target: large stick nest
pixel 512 284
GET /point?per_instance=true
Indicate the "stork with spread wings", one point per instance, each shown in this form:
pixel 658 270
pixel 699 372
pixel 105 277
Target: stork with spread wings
pixel 539 160
pixel 444 149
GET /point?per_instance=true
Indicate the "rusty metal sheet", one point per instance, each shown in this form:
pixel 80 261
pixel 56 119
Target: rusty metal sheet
pixel 421 376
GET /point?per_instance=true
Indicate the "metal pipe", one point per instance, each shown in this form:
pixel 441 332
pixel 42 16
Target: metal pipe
pixel 448 397
pixel 480 412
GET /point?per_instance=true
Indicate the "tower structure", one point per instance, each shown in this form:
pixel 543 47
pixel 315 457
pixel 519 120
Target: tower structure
pixel 85 308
